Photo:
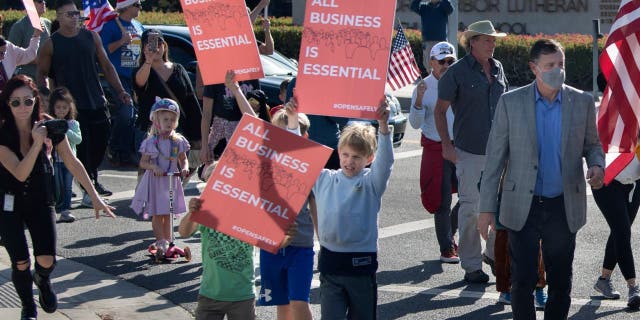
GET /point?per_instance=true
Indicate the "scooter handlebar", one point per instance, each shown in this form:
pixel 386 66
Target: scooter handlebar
pixel 170 174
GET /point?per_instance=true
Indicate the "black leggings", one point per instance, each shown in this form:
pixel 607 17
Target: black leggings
pixel 94 126
pixel 619 211
pixel 41 222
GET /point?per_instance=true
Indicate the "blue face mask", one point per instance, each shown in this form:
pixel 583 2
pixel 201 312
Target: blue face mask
pixel 553 78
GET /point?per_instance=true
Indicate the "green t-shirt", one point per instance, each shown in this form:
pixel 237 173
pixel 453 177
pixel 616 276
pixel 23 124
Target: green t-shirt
pixel 227 267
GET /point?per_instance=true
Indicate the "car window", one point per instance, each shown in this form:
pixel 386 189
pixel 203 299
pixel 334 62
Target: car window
pixel 274 67
pixel 180 51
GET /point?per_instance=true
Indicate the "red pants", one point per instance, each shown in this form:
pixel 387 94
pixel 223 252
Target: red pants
pixel 503 265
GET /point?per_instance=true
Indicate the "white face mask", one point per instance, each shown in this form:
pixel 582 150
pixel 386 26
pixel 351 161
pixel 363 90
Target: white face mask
pixel 553 78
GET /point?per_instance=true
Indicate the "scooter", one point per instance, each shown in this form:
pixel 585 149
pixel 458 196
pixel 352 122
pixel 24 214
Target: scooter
pixel 173 252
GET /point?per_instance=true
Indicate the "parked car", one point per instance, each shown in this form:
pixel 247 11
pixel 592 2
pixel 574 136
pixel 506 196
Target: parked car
pixel 397 120
pixel 276 67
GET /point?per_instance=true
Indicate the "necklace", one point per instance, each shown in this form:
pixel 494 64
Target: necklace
pixel 173 149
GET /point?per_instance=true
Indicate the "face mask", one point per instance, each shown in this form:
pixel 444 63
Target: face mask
pixel 554 78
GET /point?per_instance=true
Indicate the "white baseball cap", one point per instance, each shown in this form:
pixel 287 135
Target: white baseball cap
pixel 442 50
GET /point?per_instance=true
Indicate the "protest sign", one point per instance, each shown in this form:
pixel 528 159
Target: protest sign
pixel 260 183
pixel 223 39
pixel 344 57
pixel 32 13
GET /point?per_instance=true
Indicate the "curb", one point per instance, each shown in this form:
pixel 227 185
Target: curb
pixel 87 293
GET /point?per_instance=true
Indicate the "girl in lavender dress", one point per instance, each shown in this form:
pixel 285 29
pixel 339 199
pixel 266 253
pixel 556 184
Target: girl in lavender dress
pixel 163 151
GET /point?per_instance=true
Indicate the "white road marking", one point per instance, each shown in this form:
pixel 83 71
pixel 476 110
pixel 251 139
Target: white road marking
pixel 391 231
pixel 464 293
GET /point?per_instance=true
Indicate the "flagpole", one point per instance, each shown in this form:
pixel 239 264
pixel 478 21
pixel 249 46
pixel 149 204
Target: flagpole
pixel 453 26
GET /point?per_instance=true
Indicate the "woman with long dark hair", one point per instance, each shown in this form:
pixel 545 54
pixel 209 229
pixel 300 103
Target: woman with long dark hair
pixel 26 191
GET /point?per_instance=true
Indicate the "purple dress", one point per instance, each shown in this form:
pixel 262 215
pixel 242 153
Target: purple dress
pixel 152 194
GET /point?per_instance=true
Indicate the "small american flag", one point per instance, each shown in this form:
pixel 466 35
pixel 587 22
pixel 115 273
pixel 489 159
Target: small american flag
pixel 98 12
pixel 619 114
pixel 403 69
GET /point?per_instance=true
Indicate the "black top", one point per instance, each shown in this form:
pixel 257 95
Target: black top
pixel 74 66
pixel 224 103
pixel 180 85
pixel 37 189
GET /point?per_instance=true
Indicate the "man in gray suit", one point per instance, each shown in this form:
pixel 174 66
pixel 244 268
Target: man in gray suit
pixel 539 136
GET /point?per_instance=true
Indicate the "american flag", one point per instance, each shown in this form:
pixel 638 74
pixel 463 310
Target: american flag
pixel 619 114
pixel 98 12
pixel 403 69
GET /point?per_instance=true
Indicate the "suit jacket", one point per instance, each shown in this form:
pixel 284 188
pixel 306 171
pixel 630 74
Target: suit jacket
pixel 512 150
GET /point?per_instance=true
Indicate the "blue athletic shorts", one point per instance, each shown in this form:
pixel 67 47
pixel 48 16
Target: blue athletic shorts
pixel 285 276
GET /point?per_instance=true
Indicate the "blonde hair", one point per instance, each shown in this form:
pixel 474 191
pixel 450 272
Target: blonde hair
pixel 359 137
pixel 153 130
pixel 280 119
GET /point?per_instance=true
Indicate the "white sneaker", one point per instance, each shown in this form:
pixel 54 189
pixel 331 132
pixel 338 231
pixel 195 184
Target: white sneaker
pixel 66 216
pixel 86 201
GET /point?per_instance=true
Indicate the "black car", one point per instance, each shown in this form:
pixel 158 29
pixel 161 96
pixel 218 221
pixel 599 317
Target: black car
pixel 276 67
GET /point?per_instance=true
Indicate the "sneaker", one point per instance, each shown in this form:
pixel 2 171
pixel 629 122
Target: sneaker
pixel 47 297
pixel 66 216
pixel 540 298
pixel 101 189
pixel 490 263
pixel 605 287
pixel 28 314
pixel 634 297
pixel 449 256
pixel 86 201
pixel 504 298
pixel 477 276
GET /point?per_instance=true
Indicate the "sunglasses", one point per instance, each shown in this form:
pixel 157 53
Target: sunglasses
pixel 71 14
pixel 16 102
pixel 447 61
pixel 137 5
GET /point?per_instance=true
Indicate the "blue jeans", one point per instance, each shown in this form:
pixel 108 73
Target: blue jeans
pixel 123 118
pixel 62 173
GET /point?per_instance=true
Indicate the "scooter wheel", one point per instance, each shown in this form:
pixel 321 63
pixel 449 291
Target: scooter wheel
pixel 159 255
pixel 187 254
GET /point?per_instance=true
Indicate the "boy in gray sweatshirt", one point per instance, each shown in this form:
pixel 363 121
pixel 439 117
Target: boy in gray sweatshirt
pixel 348 202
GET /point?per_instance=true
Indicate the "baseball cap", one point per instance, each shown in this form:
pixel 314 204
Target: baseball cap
pixel 442 50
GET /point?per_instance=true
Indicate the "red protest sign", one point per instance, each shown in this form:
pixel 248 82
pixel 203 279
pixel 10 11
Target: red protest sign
pixel 260 183
pixel 34 18
pixel 223 39
pixel 344 51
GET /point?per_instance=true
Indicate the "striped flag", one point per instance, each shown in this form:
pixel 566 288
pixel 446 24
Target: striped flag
pixel 98 13
pixel 403 69
pixel 619 114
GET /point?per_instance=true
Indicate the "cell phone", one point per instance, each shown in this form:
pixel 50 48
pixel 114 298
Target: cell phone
pixel 154 39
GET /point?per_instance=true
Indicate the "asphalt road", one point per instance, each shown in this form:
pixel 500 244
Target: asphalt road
pixel 413 284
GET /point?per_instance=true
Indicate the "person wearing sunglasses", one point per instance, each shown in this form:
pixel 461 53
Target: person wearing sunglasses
pixel 26 192
pixel 437 175
pixel 12 56
pixel 122 40
pixel 71 58
pixel 21 34
pixel 471 87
